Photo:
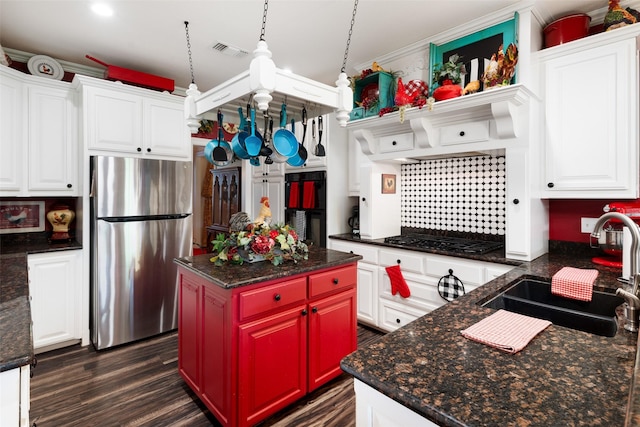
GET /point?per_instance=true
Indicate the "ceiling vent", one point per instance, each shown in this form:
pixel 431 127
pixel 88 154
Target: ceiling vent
pixel 228 50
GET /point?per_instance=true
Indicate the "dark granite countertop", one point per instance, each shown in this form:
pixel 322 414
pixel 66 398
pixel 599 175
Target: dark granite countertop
pixel 15 312
pixel 232 276
pixel 497 256
pixel 563 377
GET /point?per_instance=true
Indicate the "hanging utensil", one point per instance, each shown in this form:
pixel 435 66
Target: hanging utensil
pixel 300 157
pixel 304 123
pixel 320 152
pixel 284 141
pixel 266 150
pixel 219 154
pixel 253 143
pixel 275 156
pixel 314 142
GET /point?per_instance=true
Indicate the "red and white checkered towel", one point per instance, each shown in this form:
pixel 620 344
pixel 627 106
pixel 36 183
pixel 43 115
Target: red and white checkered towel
pixel 574 283
pixel 507 331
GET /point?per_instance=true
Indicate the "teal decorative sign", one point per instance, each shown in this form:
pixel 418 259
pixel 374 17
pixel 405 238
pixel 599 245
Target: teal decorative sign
pixel 474 50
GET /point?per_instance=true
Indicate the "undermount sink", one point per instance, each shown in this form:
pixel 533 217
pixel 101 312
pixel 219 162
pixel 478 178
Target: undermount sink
pixel 533 297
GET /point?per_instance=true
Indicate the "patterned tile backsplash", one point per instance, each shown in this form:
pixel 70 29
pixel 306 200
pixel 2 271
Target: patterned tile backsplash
pixel 465 194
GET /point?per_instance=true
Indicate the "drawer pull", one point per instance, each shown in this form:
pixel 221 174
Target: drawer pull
pixel 516 201
pixel 69 185
pixel 335 280
pixel 314 309
pixel 304 312
pixel 550 185
pixel 461 133
pixel 398 321
pixel 277 297
pixel 394 142
pixel 399 261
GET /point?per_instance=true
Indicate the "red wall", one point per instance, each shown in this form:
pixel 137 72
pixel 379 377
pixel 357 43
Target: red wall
pixel 564 218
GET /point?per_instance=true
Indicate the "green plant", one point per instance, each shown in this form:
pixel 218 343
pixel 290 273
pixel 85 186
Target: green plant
pixel 451 70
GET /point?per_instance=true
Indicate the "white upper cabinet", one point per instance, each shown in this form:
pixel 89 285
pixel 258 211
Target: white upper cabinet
pixel 52 141
pixel 127 120
pixel 590 90
pixel 39 136
pixel 11 143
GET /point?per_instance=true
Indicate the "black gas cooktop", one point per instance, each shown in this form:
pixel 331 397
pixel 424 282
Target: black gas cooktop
pixel 444 243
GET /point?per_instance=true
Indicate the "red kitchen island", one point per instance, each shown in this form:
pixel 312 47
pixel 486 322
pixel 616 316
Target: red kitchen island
pixel 254 338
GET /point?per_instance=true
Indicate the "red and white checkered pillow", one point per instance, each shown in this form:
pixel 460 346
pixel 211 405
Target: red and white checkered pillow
pixel 416 88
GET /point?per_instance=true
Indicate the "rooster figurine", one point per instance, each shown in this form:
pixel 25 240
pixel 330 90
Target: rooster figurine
pixel 265 213
pixel 617 17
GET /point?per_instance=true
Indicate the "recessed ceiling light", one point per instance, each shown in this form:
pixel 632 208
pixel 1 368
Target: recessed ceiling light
pixel 102 9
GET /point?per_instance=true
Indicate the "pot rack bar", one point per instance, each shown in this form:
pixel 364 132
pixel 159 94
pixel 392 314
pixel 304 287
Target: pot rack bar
pixel 267 88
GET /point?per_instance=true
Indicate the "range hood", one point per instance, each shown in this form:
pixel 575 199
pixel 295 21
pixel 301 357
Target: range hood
pixel 268 87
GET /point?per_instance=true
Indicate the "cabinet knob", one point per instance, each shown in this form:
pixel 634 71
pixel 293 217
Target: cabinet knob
pixel 550 185
pixel 398 261
pixel 69 185
pixel 335 280
pixel 398 321
pixel 461 133
pixel 139 149
pixel 148 150
pixel 394 143
pixel 364 199
pixel 314 309
pixel 304 312
pixel 277 297
pixel 516 201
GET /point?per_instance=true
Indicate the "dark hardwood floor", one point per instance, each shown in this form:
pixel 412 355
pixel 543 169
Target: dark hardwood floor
pixel 139 385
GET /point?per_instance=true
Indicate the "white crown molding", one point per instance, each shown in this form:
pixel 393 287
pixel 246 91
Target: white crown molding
pixel 536 7
pixel 72 67
pixel 452 34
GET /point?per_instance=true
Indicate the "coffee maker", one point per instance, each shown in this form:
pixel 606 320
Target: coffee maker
pixel 354 220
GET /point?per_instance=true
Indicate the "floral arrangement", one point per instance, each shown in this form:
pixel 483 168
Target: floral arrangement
pixel 277 244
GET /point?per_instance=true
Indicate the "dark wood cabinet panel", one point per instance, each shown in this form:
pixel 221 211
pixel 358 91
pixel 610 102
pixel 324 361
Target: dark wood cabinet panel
pixel 225 200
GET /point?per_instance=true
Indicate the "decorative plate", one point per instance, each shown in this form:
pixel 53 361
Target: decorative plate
pixel 45 66
pixel 231 128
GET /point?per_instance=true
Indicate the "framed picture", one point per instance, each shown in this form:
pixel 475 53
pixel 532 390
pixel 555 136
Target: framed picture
pixel 388 184
pixel 21 217
pixel 474 50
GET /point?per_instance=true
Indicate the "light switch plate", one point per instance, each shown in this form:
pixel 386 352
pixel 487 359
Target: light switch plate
pixel 587 224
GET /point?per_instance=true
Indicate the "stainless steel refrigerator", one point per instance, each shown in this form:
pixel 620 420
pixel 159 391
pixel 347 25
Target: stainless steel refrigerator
pixel 140 221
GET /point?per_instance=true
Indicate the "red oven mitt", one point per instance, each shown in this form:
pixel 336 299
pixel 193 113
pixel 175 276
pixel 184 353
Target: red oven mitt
pixel 398 284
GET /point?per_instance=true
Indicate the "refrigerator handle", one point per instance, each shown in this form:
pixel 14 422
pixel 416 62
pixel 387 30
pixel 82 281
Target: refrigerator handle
pixel 92 187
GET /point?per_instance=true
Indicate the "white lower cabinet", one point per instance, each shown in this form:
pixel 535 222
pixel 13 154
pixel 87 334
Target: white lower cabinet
pixel 55 289
pixel 15 397
pixel 378 307
pixel 367 290
pixel 374 409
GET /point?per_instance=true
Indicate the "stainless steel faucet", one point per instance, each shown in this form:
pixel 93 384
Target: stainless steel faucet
pixel 632 302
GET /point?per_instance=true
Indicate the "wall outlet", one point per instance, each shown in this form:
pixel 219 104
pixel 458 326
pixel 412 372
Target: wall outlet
pixel 587 224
